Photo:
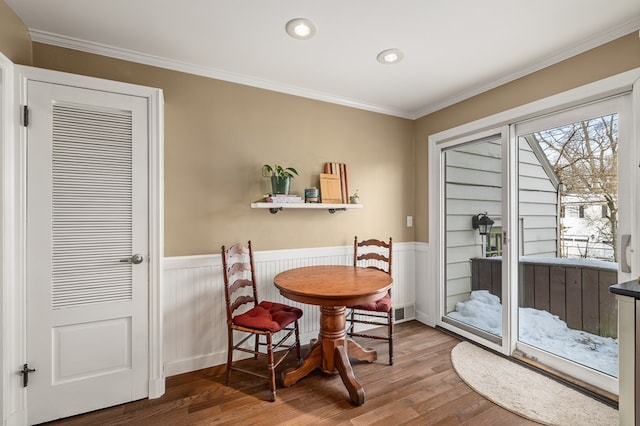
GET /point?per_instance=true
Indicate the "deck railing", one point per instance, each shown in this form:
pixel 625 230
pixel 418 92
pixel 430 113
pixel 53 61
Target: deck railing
pixel 576 290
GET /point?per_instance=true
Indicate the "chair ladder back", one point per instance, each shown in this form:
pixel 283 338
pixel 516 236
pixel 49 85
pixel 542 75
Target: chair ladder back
pixel 234 264
pixel 383 257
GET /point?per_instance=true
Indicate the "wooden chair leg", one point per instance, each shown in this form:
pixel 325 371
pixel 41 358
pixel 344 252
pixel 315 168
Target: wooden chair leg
pixel 351 323
pixel 298 351
pixel 256 346
pixel 229 355
pixel 272 368
pixel 390 335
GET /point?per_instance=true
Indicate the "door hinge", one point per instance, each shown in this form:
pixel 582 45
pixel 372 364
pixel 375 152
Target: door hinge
pixel 25 374
pixel 505 239
pixel 25 116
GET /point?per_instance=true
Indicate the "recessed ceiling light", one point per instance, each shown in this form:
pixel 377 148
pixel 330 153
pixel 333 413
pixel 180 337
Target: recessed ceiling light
pixel 390 56
pixel 301 28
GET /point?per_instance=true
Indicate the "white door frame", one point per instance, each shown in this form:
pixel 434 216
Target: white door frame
pixel 617 84
pixel 7 399
pixel 14 163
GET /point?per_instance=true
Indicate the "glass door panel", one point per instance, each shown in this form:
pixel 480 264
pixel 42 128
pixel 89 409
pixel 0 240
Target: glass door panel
pixel 568 219
pixel 473 185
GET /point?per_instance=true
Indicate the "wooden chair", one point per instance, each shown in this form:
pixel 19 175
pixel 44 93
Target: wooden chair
pixel 260 320
pixel 375 254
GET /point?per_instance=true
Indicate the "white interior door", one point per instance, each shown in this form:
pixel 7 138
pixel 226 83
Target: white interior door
pixel 87 216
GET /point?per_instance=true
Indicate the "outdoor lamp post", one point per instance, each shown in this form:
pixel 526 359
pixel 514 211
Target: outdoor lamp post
pixel 482 223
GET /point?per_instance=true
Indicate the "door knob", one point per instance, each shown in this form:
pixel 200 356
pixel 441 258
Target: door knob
pixel 135 259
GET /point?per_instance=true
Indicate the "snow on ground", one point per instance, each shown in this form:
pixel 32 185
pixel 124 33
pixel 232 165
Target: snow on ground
pixel 542 330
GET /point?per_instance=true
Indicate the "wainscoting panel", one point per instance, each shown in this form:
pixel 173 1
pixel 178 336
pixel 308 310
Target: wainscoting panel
pixel 426 289
pixel 195 333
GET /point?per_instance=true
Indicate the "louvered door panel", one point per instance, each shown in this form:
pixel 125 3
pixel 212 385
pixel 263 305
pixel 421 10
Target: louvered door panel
pixel 92 205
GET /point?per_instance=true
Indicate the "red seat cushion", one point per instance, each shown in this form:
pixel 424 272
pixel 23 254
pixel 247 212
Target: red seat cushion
pixel 268 316
pixel 380 305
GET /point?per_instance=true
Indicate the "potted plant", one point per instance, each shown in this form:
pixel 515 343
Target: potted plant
pixel 280 177
pixel 355 198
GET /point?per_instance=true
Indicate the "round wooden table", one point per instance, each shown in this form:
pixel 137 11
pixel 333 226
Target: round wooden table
pixel 333 287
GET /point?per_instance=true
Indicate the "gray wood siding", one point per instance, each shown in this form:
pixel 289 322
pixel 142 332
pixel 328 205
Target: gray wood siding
pixel 537 199
pixel 473 184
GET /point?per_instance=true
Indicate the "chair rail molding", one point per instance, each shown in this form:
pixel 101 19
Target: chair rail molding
pixel 193 300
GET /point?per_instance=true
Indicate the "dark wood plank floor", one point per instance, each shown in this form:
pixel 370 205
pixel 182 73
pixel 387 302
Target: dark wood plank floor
pixel 421 388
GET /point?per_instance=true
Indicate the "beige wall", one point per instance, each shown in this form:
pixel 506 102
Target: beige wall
pixel 218 135
pixel 612 58
pixel 15 42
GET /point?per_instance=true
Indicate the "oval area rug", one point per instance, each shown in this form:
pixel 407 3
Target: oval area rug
pixel 525 392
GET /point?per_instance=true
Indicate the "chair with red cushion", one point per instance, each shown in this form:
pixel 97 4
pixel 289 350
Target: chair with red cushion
pixel 261 320
pixel 375 254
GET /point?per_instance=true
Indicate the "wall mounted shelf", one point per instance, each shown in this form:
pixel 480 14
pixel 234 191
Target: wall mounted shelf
pixel 332 208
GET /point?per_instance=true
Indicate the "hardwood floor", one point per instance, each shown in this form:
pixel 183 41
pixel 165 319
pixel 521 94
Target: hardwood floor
pixel 421 388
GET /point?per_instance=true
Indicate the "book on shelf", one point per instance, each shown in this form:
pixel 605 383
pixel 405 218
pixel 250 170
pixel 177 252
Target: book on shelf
pixel 283 198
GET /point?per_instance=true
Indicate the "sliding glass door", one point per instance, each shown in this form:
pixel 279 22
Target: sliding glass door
pixel 473 192
pixel 569 217
pixel 531 232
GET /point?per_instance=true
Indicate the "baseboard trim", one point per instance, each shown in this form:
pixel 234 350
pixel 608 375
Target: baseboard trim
pixel 156 388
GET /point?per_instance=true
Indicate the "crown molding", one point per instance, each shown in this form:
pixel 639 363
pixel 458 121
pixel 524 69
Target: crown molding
pixel 591 43
pixel 171 64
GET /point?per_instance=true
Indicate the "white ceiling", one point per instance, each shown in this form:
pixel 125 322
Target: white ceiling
pixel 453 48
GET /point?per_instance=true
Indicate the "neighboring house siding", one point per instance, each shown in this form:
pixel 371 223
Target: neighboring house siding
pixel 473 184
pixel 538 206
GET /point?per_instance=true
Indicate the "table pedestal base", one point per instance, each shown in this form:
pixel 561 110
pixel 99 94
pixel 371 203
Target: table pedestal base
pixel 331 352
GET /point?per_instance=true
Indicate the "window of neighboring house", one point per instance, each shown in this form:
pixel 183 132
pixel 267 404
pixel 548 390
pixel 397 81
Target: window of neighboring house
pixel 605 211
pixel 562 211
pixel 581 212
pixel 572 211
pixel 494 242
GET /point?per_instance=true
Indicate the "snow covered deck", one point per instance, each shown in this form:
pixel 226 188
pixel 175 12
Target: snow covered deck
pixel 576 290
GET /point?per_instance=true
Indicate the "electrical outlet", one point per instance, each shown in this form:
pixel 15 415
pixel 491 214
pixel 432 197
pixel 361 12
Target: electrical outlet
pixel 409 221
